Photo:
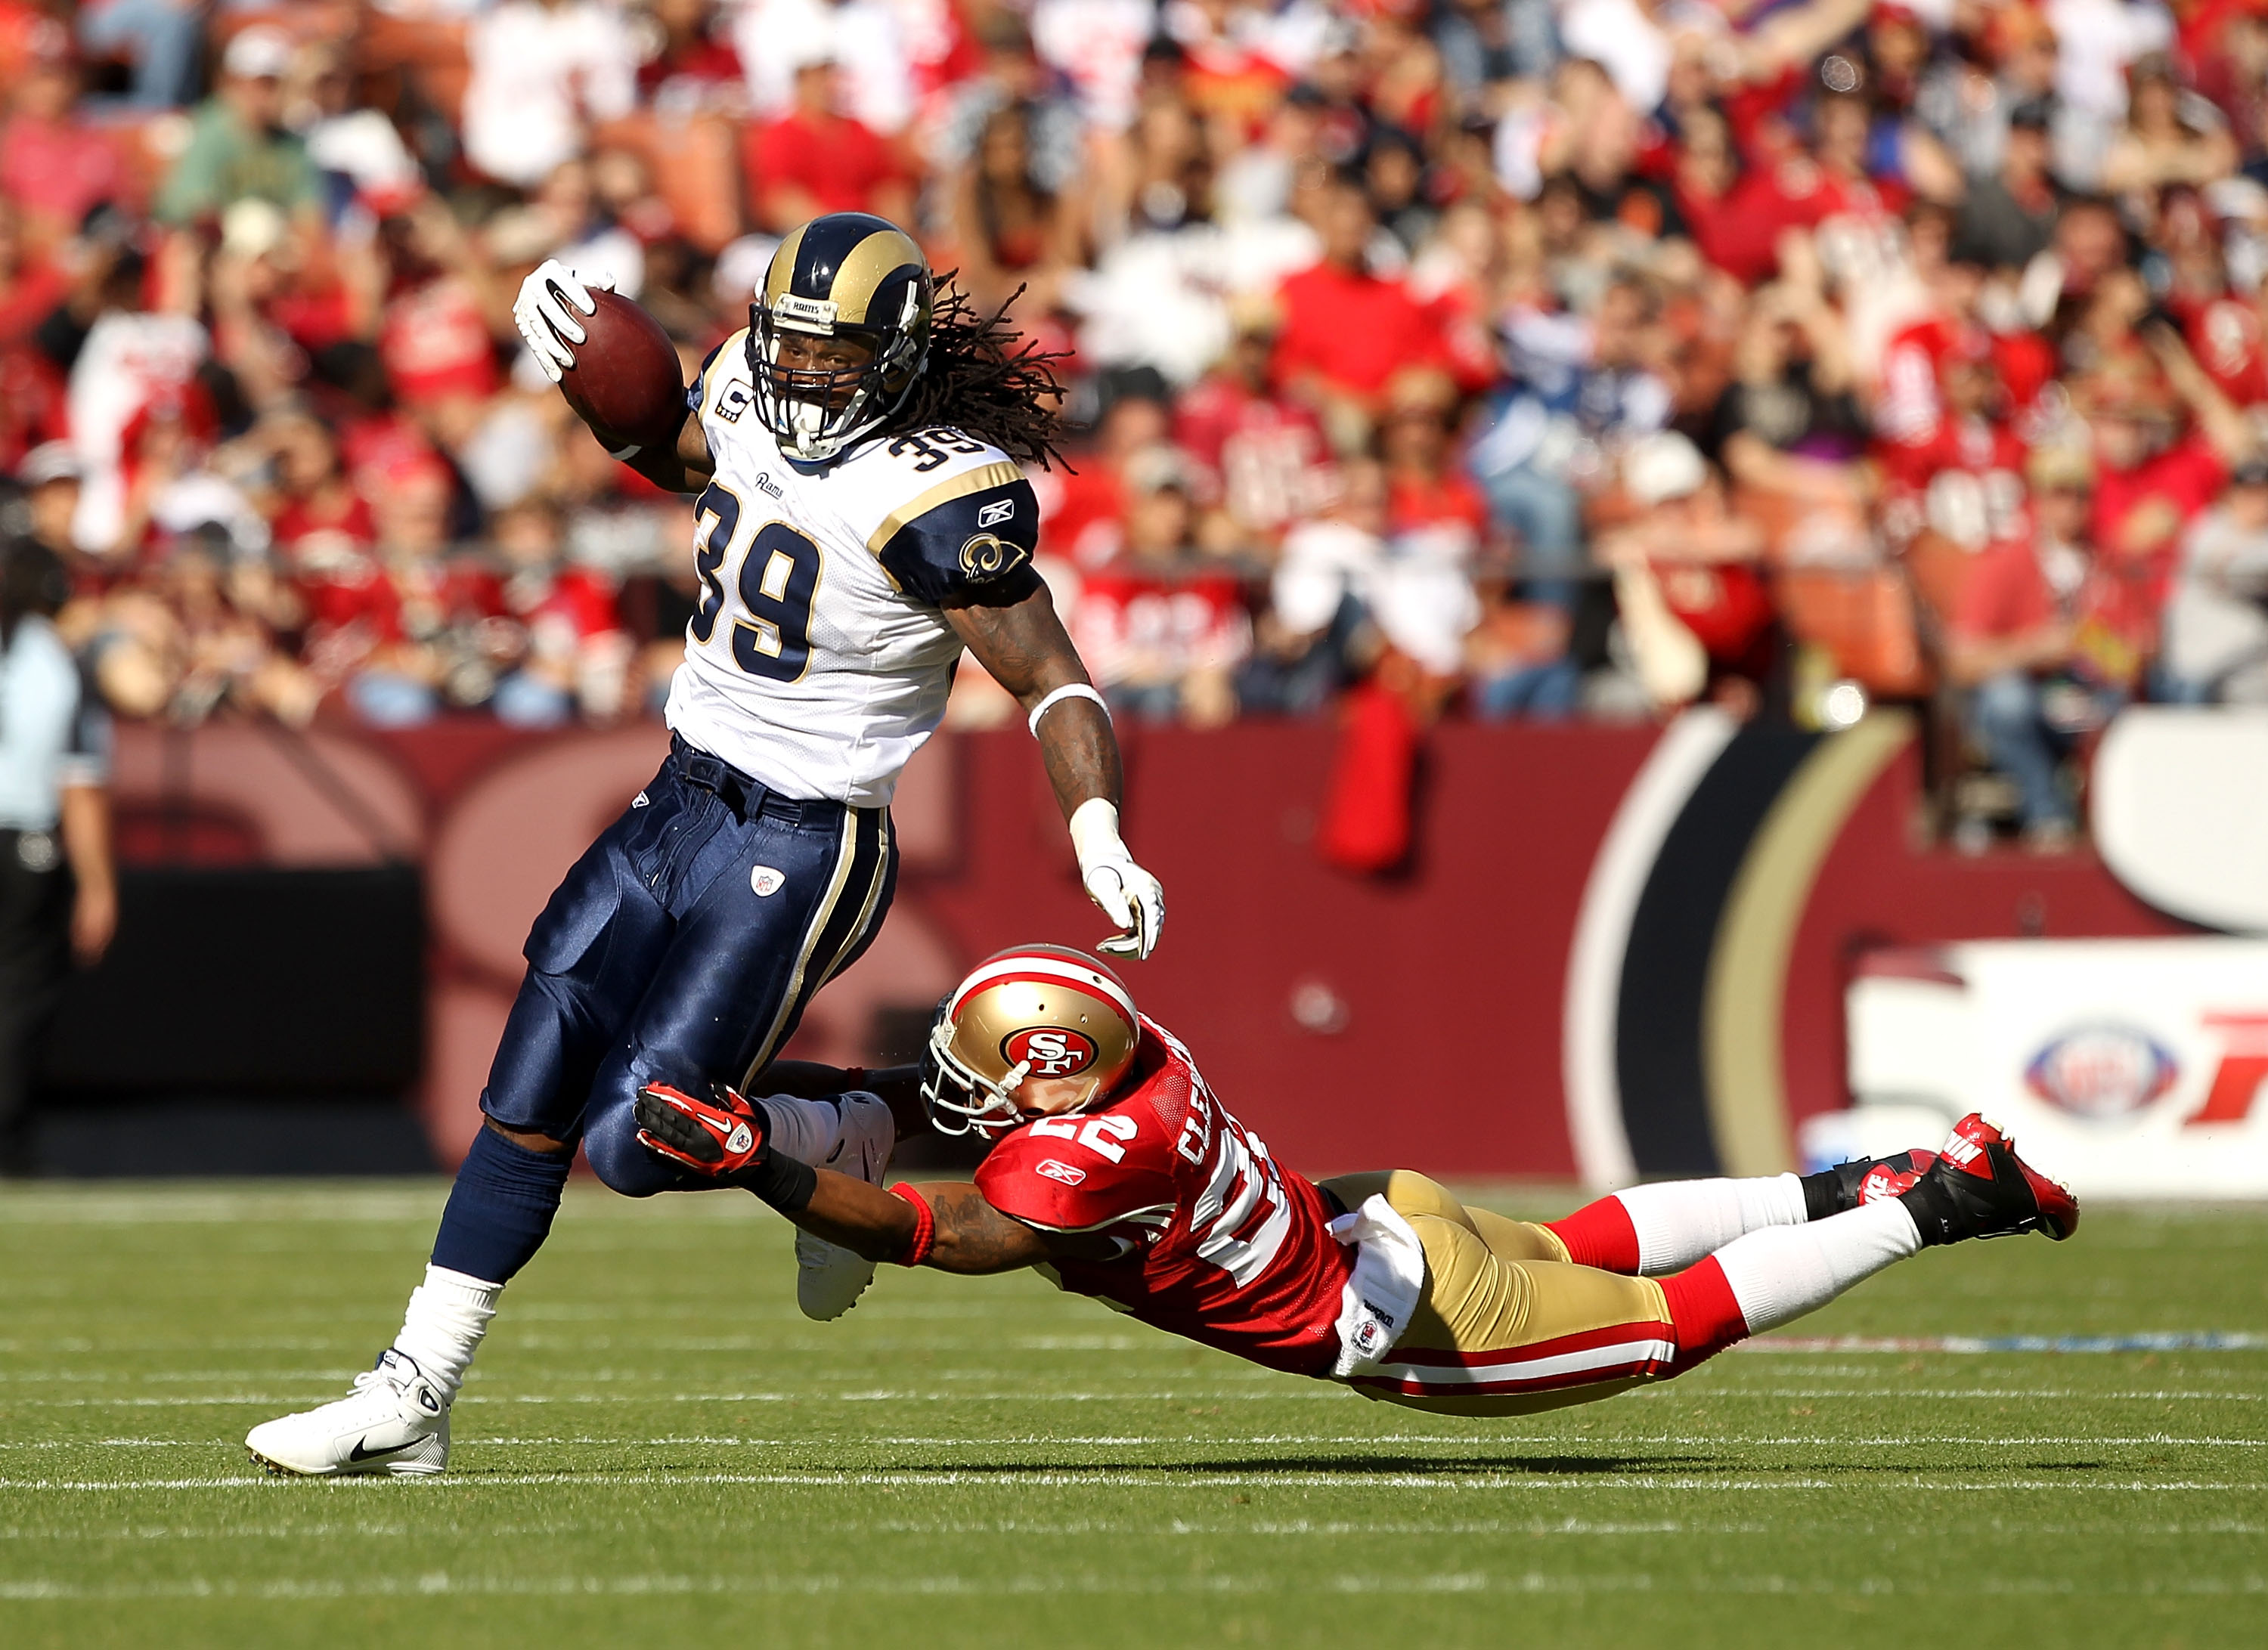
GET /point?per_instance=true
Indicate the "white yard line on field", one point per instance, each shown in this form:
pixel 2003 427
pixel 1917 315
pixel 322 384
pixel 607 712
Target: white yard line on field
pixel 1463 1439
pixel 1164 1477
pixel 442 1584
pixel 2166 1341
pixel 1316 1392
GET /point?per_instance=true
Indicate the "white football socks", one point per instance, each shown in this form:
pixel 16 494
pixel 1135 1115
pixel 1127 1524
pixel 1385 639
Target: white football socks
pixel 1780 1274
pixel 448 1314
pixel 1682 1221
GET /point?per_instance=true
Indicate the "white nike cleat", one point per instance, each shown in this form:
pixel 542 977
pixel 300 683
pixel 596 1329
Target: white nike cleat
pixel 829 1278
pixel 394 1422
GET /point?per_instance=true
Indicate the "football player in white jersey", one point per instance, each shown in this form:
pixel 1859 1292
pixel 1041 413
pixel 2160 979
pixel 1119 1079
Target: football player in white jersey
pixel 863 518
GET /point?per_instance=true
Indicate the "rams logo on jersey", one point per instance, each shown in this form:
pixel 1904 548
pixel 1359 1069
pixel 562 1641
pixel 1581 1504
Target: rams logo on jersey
pixel 984 556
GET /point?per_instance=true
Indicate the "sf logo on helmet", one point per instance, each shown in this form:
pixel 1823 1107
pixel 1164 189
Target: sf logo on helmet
pixel 1051 1051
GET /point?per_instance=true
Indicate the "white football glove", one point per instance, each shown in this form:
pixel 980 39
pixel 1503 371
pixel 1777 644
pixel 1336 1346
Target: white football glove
pixel 546 318
pixel 1129 895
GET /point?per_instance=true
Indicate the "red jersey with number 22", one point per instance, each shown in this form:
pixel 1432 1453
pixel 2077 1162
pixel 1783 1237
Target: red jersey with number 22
pixel 1217 1242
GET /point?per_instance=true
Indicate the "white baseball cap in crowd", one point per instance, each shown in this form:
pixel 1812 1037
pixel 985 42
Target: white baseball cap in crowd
pixel 258 52
pixel 49 461
pixel 1663 466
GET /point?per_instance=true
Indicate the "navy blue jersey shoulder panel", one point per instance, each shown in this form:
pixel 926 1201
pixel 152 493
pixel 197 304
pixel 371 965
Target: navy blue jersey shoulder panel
pixel 973 551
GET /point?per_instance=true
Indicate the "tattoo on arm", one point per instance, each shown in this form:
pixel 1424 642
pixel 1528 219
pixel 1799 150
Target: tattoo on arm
pixel 1027 652
pixel 974 1237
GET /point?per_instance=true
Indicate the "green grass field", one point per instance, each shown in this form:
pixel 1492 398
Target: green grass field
pixel 654 1449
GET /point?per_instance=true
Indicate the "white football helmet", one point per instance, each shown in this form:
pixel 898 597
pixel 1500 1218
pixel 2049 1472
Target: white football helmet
pixel 1030 1011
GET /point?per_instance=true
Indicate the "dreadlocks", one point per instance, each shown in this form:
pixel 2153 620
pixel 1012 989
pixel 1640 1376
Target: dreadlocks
pixel 978 378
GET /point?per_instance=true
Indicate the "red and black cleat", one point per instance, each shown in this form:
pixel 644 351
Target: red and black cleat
pixel 1979 1188
pixel 1891 1176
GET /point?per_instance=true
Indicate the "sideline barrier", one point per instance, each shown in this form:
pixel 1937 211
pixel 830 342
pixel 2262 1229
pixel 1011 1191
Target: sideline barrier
pixel 1695 977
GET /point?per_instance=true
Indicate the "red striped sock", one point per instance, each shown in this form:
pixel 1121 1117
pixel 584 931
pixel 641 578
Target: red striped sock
pixel 1599 1234
pixel 1704 1311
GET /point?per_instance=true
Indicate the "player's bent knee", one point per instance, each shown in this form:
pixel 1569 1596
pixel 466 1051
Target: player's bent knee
pixel 622 1163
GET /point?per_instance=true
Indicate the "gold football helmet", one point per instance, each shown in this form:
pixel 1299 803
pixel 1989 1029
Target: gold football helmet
pixel 848 275
pixel 1031 1011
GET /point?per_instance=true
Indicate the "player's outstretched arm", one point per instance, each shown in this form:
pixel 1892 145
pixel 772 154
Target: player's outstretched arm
pixel 725 1138
pixel 1027 652
pixel 968 1234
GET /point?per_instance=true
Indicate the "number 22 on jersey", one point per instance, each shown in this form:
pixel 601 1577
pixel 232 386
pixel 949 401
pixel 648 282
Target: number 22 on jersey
pixel 778 579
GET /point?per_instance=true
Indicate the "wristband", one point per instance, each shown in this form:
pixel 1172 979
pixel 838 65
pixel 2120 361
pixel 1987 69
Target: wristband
pixel 785 1183
pixel 925 1238
pixel 1070 690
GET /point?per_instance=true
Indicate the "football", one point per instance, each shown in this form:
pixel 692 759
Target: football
pixel 626 381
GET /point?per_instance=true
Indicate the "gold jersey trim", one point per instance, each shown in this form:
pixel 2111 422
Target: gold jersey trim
pixel 1000 473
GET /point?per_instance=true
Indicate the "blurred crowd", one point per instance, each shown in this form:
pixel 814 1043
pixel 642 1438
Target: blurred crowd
pixel 1495 358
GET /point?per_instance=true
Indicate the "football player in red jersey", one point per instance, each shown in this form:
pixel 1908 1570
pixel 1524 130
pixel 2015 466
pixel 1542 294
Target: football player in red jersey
pixel 1120 1174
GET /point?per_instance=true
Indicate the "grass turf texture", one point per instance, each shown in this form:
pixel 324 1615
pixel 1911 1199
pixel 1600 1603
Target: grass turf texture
pixel 654 1449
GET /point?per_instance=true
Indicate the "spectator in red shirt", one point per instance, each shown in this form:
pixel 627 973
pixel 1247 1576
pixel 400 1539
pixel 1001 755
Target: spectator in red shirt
pixel 815 159
pixel 2155 475
pixel 1437 529
pixel 1162 629
pixel 31 383
pixel 1083 512
pixel 317 506
pixel 1346 331
pixel 444 315
pixel 1692 604
pixel 572 649
pixel 1261 461
pixel 53 166
pixel 2049 639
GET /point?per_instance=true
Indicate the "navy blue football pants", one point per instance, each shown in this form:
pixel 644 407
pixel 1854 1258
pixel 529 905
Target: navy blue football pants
pixel 682 949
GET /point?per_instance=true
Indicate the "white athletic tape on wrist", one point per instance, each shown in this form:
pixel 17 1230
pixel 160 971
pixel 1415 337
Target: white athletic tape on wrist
pixel 1094 835
pixel 1073 690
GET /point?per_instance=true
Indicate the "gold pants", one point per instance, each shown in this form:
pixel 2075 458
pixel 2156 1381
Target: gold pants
pixel 1507 1326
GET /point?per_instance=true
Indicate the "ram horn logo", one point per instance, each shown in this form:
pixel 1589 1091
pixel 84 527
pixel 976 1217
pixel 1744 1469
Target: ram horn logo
pixel 2102 1070
pixel 987 556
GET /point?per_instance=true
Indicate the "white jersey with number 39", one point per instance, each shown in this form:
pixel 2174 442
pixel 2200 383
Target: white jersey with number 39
pixel 818 659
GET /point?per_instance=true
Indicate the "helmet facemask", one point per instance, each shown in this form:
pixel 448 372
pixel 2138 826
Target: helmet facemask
pixel 961 1100
pixel 814 416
